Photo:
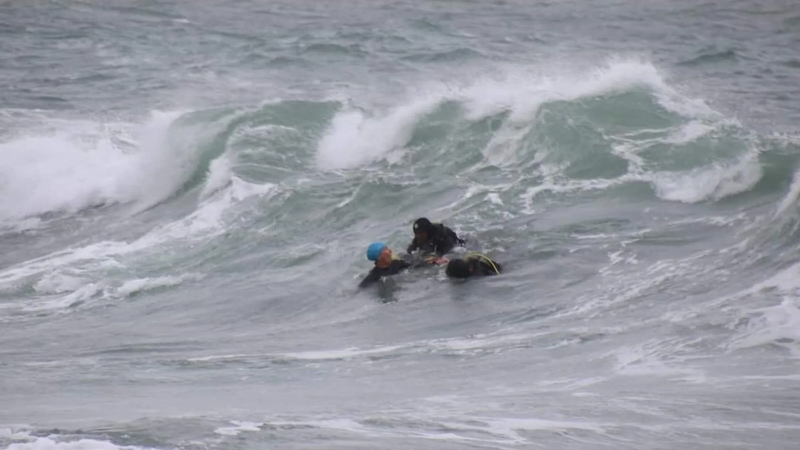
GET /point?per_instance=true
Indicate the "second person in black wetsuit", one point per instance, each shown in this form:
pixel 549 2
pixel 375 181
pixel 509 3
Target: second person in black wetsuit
pixel 473 265
pixel 433 238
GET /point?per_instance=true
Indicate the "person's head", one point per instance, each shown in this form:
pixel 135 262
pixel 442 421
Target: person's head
pixel 380 253
pixel 458 268
pixel 422 228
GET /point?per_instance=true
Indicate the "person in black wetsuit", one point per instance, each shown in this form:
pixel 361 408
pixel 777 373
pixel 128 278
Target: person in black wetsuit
pixel 473 265
pixel 387 263
pixel 433 238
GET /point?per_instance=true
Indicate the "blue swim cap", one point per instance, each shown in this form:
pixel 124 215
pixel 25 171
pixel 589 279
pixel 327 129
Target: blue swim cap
pixel 374 250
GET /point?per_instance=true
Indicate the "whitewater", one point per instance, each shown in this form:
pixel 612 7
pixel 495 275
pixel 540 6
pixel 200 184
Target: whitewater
pixel 187 191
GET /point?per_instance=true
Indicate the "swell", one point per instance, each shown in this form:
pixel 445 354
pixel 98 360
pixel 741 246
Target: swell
pixel 622 125
pixel 611 133
pixel 256 184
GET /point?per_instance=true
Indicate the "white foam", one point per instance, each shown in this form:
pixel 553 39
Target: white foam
pixel 683 105
pixel 774 325
pixel 355 138
pixel 238 427
pixel 219 176
pixel 620 287
pixel 84 164
pixel 225 357
pixel 499 429
pixel 75 271
pixel 475 189
pixel 94 256
pixel 713 182
pixel 80 295
pixel 59 294
pixel 340 354
pixel 341 424
pixel 791 196
pixel 495 341
pixel 627 151
pixel 570 384
pixel 47 443
pixel 353 195
pixel 456 344
pixel 523 92
pixel 689 132
pixel 209 218
pixel 709 183
pixel 352 426
pixel 57 282
pixel 131 287
pixel 502 147
pixel 311 355
pixel 509 426
pixel 16 433
pixel 564 187
pixel 653 358
pixel 787 281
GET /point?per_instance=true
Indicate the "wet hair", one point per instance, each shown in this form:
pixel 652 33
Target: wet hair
pixel 457 268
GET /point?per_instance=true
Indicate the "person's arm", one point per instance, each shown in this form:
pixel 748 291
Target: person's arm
pixel 412 246
pixel 419 260
pixel 411 260
pixel 371 277
pixel 456 238
pixel 445 242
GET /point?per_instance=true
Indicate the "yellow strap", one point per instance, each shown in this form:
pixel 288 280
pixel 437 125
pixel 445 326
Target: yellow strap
pixel 486 258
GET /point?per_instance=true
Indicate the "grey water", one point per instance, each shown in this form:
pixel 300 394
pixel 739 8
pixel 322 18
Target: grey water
pixel 188 188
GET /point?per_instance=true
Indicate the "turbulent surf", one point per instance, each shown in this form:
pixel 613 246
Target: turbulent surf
pixel 187 193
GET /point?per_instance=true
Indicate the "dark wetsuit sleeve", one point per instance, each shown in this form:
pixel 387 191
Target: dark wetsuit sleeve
pixel 373 276
pixel 454 236
pixel 397 266
pixel 412 246
pixel 445 241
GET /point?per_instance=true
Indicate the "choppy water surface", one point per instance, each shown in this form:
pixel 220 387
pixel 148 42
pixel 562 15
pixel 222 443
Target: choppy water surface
pixel 187 190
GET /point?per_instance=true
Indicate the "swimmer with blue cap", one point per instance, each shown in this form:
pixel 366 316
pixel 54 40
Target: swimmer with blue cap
pixel 388 263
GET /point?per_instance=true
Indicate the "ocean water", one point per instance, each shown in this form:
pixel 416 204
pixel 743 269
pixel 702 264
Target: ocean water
pixel 187 190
